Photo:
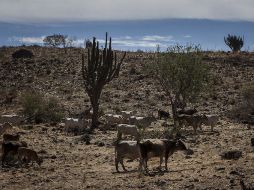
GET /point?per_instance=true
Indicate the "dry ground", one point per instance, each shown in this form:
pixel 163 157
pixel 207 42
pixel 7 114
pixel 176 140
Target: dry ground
pixel 70 164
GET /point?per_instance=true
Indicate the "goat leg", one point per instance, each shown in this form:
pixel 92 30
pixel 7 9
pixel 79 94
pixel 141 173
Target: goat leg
pixel 123 165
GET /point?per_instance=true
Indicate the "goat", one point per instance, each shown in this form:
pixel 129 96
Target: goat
pixel 13 119
pixel 163 114
pixel 125 129
pixel 11 146
pixel 127 114
pixel 114 119
pixel 11 137
pixel 4 127
pixel 188 120
pixel 75 123
pixel 126 149
pixel 159 148
pixel 141 121
pixel 28 155
pixel 211 120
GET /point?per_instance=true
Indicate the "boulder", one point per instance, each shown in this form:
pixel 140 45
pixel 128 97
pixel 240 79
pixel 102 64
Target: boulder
pixel 231 154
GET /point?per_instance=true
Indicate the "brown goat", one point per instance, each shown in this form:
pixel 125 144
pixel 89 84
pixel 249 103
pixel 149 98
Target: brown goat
pixel 11 146
pixel 159 148
pixel 10 137
pixel 28 155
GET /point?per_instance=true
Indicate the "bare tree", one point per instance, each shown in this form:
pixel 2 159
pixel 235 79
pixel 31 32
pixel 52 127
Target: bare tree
pixel 55 40
pixel 101 68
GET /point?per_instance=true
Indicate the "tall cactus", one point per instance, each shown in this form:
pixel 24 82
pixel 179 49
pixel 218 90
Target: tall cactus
pixel 235 43
pixel 101 68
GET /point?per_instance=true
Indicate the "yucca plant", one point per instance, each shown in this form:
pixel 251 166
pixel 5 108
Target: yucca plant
pixel 235 43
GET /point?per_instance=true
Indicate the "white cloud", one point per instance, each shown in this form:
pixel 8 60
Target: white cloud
pixel 187 36
pixel 125 42
pixel 158 38
pixel 83 10
pixel 145 42
pixel 28 40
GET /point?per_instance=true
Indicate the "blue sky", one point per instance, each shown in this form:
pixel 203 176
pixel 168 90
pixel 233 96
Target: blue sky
pixel 132 24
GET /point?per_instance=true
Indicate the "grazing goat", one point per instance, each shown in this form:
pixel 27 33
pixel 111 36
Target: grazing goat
pixel 188 120
pixel 11 146
pixel 127 114
pixel 75 124
pixel 163 114
pixel 13 119
pixel 141 121
pixel 210 120
pixel 10 137
pixel 125 129
pixel 126 149
pixel 114 119
pixel 4 127
pixel 159 148
pixel 28 155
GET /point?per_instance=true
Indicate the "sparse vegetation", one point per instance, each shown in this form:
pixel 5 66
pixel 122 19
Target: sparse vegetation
pixel 244 111
pixel 22 53
pixel 38 108
pixel 235 43
pixel 64 151
pixel 181 74
pixel 101 68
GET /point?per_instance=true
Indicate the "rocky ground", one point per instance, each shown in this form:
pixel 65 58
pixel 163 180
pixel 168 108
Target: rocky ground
pixel 70 164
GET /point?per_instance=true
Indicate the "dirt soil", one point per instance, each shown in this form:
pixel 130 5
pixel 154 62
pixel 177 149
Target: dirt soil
pixel 71 164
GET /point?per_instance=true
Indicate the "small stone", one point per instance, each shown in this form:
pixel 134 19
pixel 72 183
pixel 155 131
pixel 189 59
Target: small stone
pixel 53 157
pixel 220 168
pixel 100 144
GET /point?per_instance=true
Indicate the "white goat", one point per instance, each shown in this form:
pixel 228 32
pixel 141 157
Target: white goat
pixel 128 114
pixel 125 129
pixel 142 121
pixel 114 119
pixel 75 122
pixel 126 149
pixel 13 119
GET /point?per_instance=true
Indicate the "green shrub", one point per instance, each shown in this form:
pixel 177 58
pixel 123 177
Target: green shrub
pixel 38 108
pixel 182 75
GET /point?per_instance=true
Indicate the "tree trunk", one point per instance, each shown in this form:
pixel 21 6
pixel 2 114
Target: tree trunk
pixel 174 111
pixel 95 115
